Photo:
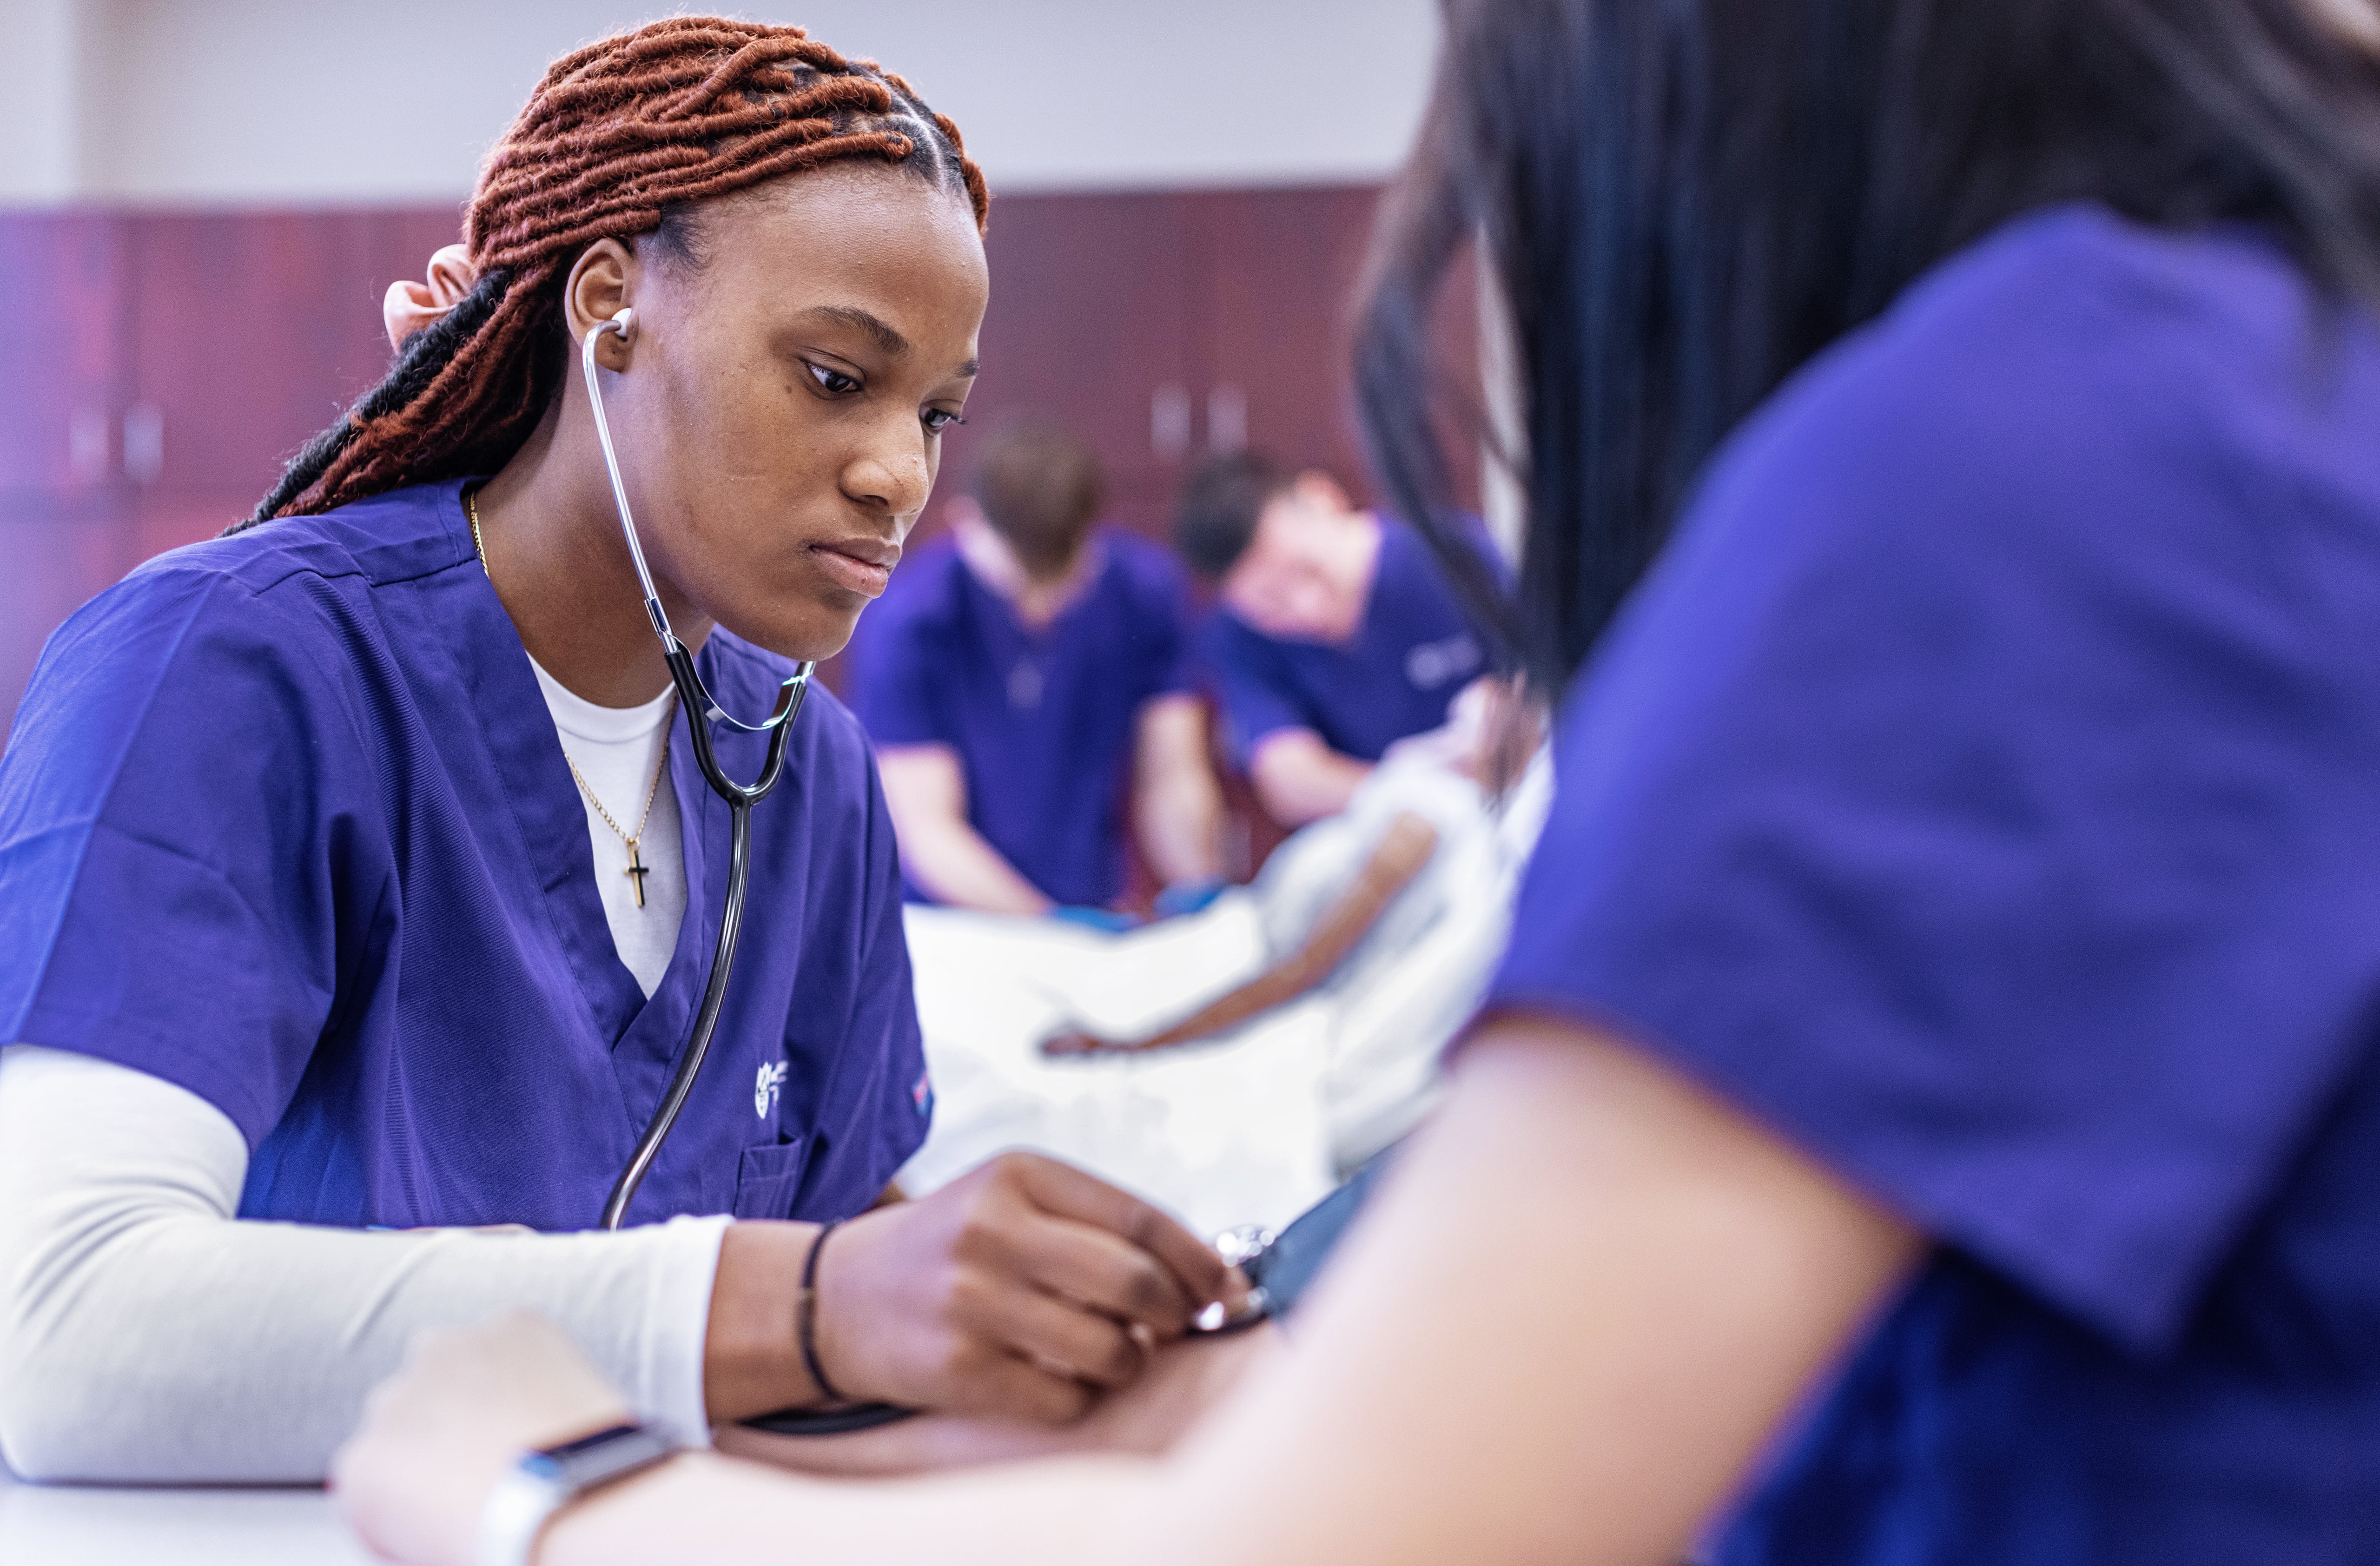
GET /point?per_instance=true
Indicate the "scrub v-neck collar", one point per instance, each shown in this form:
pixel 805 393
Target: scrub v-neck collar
pixel 526 752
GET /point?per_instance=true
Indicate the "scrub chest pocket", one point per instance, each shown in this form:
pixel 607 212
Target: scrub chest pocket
pixel 767 1178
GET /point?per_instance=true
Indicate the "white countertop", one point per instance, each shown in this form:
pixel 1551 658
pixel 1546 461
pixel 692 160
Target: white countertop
pixel 83 1525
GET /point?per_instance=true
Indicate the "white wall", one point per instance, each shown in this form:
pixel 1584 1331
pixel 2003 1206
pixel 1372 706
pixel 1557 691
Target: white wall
pixel 219 102
pixel 38 107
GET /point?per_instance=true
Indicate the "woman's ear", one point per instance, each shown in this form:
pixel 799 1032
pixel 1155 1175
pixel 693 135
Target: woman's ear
pixel 600 286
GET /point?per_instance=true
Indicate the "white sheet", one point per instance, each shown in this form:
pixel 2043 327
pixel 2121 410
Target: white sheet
pixel 1259 1124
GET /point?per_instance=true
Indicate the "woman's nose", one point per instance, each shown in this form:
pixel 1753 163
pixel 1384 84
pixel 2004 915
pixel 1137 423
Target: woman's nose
pixel 892 472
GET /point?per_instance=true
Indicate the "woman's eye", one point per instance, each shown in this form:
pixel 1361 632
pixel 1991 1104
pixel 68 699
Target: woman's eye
pixel 938 419
pixel 833 382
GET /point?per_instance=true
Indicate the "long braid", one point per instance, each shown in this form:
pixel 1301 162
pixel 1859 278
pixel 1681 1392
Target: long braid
pixel 619 138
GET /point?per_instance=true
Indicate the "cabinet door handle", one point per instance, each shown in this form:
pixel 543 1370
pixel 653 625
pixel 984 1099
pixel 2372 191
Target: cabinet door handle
pixel 1227 419
pixel 87 445
pixel 144 443
pixel 1168 422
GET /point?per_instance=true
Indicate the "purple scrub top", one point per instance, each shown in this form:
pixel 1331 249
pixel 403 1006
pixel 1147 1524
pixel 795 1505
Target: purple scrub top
pixel 1984 793
pixel 1044 723
pixel 1406 664
pixel 284 821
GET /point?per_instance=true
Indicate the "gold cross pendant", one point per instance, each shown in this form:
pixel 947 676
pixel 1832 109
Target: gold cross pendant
pixel 637 871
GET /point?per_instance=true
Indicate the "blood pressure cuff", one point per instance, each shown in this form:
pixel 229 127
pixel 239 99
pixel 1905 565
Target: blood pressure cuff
pixel 1284 1269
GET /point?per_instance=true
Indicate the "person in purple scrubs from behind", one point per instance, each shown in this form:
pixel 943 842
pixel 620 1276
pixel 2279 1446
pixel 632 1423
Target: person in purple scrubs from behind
pixel 1337 633
pixel 356 873
pixel 1026 681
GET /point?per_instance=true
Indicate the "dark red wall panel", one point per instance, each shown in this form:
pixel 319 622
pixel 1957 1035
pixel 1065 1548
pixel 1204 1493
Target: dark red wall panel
pixel 1088 323
pixel 251 332
pixel 1277 278
pixel 65 355
pixel 168 364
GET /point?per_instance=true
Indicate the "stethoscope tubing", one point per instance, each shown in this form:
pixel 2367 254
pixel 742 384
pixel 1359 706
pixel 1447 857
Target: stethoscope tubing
pixel 701 712
pixel 722 961
pixel 700 709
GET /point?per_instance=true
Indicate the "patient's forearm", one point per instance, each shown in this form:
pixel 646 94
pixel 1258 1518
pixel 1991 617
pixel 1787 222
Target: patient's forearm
pixel 1686 1279
pixel 725 1512
pixel 1402 851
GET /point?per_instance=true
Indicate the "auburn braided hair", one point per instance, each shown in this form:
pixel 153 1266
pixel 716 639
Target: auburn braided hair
pixel 620 139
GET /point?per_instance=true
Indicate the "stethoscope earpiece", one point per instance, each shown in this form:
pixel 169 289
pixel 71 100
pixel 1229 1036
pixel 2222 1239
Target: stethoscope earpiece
pixel 623 324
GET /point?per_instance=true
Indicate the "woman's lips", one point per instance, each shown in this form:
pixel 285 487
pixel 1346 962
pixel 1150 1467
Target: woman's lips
pixel 861 565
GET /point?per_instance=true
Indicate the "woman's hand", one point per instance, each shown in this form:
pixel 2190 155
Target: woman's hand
pixel 1017 1293
pixel 437 1436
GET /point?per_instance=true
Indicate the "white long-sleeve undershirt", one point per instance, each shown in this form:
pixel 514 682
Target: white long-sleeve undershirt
pixel 147 1334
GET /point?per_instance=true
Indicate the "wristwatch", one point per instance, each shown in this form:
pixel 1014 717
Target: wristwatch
pixel 542 1482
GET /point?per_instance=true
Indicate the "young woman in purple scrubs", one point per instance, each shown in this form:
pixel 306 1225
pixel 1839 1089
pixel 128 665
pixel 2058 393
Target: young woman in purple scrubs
pixel 327 904
pixel 1931 1108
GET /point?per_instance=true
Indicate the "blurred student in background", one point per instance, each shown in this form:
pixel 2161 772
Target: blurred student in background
pixel 1027 683
pixel 1336 636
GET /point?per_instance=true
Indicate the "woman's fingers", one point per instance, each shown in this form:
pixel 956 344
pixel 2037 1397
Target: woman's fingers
pixel 1109 1274
pixel 1010 1292
pixel 1007 1387
pixel 1056 1335
pixel 1067 1192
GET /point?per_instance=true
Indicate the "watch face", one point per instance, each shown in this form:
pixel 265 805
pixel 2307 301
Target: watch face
pixel 598 1458
pixel 569 1450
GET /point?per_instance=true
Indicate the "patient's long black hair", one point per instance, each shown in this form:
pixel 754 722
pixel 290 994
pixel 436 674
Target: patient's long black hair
pixel 1683 200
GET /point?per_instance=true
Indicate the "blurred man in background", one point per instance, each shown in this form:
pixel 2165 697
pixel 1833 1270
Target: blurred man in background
pixel 1027 683
pixel 1337 633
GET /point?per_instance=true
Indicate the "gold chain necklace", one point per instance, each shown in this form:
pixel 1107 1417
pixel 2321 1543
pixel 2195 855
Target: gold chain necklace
pixel 637 870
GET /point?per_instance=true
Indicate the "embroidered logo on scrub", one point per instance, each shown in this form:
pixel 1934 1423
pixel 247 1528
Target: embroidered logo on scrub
pixel 1433 663
pixel 765 1091
pixel 921 1093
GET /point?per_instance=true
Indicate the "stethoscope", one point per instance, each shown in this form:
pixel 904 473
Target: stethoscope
pixel 700 709
pixel 740 798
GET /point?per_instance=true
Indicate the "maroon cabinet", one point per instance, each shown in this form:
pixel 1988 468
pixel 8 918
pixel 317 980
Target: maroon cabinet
pixel 169 363
pixel 250 332
pixel 63 362
pixel 1278 283
pixel 1089 321
pixel 1163 327
pixel 63 358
